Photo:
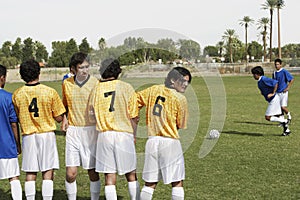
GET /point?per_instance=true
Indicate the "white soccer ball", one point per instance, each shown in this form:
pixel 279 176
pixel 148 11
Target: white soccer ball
pixel 213 134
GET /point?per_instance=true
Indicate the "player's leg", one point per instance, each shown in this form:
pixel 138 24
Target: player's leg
pixel 95 184
pixel 71 186
pixel 72 160
pixel 284 103
pixel 148 190
pixel 133 185
pixel 177 190
pixel 47 185
pixel 110 186
pixel 88 147
pixel 15 187
pixel 30 185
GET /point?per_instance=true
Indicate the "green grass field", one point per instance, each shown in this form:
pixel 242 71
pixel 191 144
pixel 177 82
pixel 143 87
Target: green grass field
pixel 249 161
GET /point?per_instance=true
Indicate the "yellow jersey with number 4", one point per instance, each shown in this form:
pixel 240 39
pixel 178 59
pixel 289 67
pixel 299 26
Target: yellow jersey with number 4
pixel 36 106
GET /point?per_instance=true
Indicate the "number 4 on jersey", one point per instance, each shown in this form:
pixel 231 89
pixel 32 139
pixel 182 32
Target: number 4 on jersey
pixel 33 107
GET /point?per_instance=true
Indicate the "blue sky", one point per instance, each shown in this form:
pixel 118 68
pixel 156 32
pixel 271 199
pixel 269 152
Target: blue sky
pixel 202 21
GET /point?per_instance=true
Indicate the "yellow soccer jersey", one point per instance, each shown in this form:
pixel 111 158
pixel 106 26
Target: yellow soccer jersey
pixel 166 110
pixel 114 103
pixel 36 105
pixel 75 98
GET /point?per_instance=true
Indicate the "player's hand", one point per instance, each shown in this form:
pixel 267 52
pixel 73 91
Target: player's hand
pixel 270 95
pixel 64 124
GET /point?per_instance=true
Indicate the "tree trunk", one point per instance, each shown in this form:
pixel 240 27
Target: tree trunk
pixel 279 45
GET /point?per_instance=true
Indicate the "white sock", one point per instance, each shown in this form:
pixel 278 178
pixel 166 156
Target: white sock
pixel 16 189
pixel 177 193
pixel 30 190
pixel 289 115
pixel 278 119
pixel 95 189
pixel 110 192
pixel 134 190
pixel 71 189
pixel 146 193
pixel 47 189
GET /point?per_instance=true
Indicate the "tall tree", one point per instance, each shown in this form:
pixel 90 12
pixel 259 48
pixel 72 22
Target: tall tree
pixel 41 54
pixel 85 46
pixel 220 46
pixel 28 49
pixel 228 37
pixel 189 49
pixel 58 56
pixel 102 44
pixel 280 5
pixel 6 48
pixel 246 22
pixel 71 48
pixel 263 24
pixel 16 49
pixel 270 5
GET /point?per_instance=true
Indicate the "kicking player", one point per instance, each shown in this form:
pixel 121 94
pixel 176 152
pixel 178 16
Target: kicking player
pixel 268 88
pixel 285 81
pixel 114 105
pixel 81 136
pixel 9 140
pixel 38 107
pixel 166 112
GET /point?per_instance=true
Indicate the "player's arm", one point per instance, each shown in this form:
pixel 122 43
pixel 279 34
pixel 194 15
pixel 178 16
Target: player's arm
pixel 289 85
pixel 274 91
pixel 15 129
pixel 134 123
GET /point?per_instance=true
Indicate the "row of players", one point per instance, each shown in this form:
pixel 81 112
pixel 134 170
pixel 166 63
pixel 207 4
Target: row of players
pixel 100 119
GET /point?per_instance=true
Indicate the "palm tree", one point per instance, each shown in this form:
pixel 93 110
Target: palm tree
pixel 270 5
pixel 263 24
pixel 246 21
pixel 280 4
pixel 228 36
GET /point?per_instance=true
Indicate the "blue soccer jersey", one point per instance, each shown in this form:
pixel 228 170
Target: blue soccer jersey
pixel 283 77
pixel 266 86
pixel 8 147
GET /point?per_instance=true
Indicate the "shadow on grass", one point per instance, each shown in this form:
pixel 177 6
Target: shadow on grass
pixel 242 133
pixel 255 123
pixel 61 194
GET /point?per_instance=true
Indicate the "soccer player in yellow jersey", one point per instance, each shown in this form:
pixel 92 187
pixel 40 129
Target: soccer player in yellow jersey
pixel 166 112
pixel 81 135
pixel 38 107
pixel 114 105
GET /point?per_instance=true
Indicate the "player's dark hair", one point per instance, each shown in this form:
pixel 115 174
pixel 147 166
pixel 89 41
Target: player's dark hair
pixel 30 70
pixel 258 70
pixel 77 59
pixel 110 68
pixel 177 73
pixel 3 70
pixel 278 60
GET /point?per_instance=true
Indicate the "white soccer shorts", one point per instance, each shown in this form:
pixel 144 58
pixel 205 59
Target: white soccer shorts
pixel 9 168
pixel 284 96
pixel 274 107
pixel 81 145
pixel 39 152
pixel 163 160
pixel 115 152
